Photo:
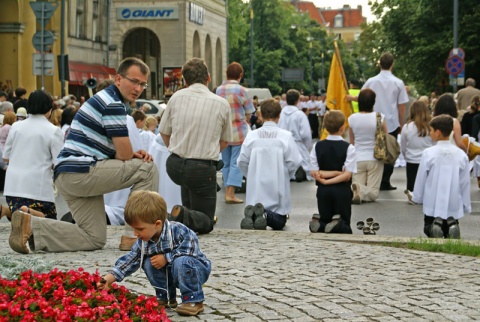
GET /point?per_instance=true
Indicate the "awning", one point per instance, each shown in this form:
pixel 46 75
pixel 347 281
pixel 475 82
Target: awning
pixel 79 72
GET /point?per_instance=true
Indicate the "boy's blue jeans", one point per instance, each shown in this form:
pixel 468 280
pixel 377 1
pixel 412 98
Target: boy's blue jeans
pixel 186 273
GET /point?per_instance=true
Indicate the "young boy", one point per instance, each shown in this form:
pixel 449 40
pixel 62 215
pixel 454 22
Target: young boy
pixel 167 251
pixel 443 182
pixel 268 159
pixel 332 164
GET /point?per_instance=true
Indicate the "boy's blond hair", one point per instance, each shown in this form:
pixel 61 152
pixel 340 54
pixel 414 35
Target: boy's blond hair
pixel 149 121
pixel 333 121
pixel 145 206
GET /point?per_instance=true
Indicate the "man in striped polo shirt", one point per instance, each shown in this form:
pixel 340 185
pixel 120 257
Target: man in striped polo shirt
pixel 97 158
pixel 196 126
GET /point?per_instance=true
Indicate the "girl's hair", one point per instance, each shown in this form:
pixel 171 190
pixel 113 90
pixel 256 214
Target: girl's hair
pixel 67 115
pixel 446 105
pixel 420 116
pixel 9 118
pixel 56 117
pixel 149 121
pixel 39 102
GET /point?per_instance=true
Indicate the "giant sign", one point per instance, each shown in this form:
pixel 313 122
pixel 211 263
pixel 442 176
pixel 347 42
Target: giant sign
pixel 147 13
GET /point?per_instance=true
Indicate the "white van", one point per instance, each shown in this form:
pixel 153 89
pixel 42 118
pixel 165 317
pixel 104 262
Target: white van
pixel 261 93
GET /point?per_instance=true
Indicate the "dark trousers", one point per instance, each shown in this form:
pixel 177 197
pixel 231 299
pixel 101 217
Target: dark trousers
pixel 333 200
pixel 388 168
pixel 275 220
pixel 428 222
pixel 412 169
pixel 198 182
pixel 313 120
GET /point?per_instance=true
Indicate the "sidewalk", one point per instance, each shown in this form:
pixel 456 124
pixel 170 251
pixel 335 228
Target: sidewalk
pixel 296 276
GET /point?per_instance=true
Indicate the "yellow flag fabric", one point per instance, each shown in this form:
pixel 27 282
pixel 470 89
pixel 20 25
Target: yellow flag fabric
pixel 336 93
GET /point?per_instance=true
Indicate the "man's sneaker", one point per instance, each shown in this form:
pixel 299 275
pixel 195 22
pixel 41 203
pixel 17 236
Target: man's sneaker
pixel 336 220
pixel 172 304
pixel 126 243
pixel 357 199
pixel 190 309
pixel 436 230
pixel 260 222
pixel 409 196
pixel 314 224
pixel 453 228
pixel 247 222
pixel 473 148
pixel 176 214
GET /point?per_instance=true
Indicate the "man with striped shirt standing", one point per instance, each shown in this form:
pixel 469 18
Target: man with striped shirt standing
pixel 196 126
pixel 97 158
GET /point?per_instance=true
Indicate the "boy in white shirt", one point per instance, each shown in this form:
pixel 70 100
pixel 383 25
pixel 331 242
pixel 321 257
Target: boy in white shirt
pixel 443 182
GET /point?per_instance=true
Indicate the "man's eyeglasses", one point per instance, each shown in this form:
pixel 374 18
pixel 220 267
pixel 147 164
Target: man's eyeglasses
pixel 136 82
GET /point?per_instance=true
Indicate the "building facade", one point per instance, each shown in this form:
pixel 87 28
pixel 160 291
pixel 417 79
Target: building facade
pixel 100 33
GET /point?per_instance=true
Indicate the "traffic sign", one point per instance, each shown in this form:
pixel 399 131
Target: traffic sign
pixel 43 11
pixel 43 43
pixel 47 64
pixel 457 51
pixel 454 65
pixel 460 78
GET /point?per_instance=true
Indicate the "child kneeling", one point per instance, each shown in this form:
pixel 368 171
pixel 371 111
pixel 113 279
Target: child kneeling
pixel 443 182
pixel 167 251
pixel 332 163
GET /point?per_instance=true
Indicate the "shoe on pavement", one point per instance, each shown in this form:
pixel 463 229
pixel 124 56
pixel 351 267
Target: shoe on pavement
pixel 334 223
pixel 247 222
pixel 190 309
pixel 436 230
pixel 357 199
pixel 473 148
pixel 21 232
pixel 409 196
pixel 314 224
pixel 126 243
pixel 387 187
pixel 260 222
pixel 453 228
pixel 172 304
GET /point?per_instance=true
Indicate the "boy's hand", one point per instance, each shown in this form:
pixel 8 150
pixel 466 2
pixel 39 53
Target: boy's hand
pixel 158 261
pixel 105 282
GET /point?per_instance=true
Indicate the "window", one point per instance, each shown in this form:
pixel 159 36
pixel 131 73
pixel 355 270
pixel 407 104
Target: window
pixel 338 21
pixel 80 19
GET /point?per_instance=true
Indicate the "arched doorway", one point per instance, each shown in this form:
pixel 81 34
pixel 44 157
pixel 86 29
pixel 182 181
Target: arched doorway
pixel 144 44
pixel 218 62
pixel 196 45
pixel 208 58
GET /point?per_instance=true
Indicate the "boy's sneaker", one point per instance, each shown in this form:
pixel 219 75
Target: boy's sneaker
pixel 260 222
pixel 314 224
pixel 436 230
pixel 172 304
pixel 453 228
pixel 409 196
pixel 190 309
pixel 334 223
pixel 357 199
pixel 247 222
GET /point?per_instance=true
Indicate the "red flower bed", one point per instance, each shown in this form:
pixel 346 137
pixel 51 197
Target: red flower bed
pixel 72 296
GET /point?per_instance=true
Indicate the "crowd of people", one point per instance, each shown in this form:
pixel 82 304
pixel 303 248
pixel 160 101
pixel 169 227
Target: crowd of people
pixel 114 164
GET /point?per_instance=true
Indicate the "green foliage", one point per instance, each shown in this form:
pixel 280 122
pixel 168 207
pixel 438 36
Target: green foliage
pixel 449 246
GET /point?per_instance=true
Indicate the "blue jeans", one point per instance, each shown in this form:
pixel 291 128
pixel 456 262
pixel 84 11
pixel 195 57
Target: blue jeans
pixel 185 273
pixel 232 176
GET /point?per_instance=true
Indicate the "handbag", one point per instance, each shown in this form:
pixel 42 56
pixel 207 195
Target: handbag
pixel 386 147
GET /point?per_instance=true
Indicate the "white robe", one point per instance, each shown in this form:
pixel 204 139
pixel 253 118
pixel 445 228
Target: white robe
pixel 147 138
pixel 294 120
pixel 443 182
pixel 115 201
pixel 169 191
pixel 268 159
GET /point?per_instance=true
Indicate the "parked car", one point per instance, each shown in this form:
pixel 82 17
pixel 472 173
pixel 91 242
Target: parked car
pixel 157 106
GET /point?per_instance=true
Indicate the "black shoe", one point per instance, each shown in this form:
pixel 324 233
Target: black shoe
pixel 385 187
pixel 68 218
pixel 176 214
pixel 300 175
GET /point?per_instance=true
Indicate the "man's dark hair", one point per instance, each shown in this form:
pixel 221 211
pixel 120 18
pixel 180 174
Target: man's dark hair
pixel 20 91
pixel 67 115
pixel 270 109
pixel 139 115
pixel 195 71
pixel 366 100
pixel 234 71
pixel 292 96
pixel 386 60
pixel 3 94
pixel 39 102
pixel 445 105
pixel 132 61
pixel 443 123
pixel 104 84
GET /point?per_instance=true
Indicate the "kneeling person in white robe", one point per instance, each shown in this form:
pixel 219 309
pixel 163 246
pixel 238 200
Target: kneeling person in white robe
pixel 268 159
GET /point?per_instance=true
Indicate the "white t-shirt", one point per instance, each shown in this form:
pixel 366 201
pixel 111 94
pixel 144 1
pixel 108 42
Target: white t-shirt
pixel 413 145
pixel 364 126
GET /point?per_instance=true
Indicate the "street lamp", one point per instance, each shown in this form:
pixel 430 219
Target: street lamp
pixel 310 39
pixel 251 46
